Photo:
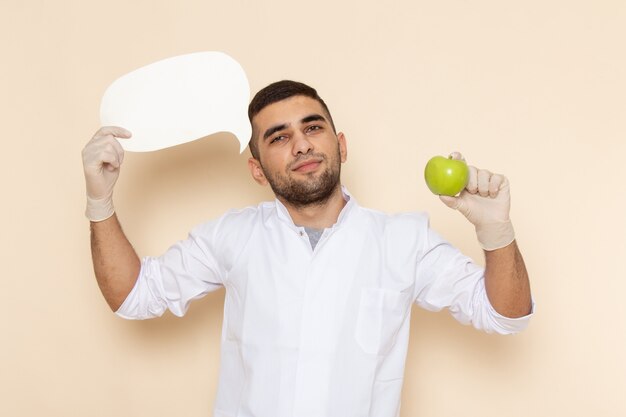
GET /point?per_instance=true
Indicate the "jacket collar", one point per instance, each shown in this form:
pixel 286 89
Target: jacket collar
pixel 283 213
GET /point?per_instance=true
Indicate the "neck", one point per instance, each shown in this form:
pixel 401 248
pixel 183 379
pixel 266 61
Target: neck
pixel 320 215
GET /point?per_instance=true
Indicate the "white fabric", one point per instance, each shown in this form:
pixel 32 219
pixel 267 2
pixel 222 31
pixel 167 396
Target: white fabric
pixel 320 333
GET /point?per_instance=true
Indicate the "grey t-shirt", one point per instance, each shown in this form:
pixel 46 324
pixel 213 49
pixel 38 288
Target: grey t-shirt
pixel 314 235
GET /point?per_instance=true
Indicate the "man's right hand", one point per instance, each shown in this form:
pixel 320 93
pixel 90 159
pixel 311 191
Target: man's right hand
pixel 102 159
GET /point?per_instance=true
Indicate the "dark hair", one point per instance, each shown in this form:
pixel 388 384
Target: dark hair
pixel 279 91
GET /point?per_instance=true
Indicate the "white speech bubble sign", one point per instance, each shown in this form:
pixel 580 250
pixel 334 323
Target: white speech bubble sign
pixel 178 100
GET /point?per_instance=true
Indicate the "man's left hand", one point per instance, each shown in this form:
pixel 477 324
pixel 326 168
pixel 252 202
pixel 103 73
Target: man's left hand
pixel 486 203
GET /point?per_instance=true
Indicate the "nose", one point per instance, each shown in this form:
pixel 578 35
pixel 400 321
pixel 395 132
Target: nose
pixel 301 144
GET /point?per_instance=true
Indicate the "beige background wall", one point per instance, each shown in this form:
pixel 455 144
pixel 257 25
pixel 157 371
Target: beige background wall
pixel 535 90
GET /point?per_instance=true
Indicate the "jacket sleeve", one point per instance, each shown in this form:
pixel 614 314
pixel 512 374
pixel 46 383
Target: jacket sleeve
pixel 445 278
pixel 188 270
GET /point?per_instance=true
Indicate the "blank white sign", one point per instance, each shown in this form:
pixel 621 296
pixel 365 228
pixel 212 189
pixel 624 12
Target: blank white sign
pixel 178 100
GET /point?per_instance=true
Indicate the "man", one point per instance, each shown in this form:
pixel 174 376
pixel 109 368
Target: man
pixel 318 289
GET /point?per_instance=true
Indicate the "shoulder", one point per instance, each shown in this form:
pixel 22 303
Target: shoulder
pixel 233 224
pixel 403 235
pixel 408 221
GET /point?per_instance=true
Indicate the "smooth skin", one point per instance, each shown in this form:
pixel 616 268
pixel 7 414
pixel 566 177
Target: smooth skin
pixel 117 265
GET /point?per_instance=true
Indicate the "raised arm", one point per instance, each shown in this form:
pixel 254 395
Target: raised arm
pixel 486 203
pixel 506 281
pixel 115 262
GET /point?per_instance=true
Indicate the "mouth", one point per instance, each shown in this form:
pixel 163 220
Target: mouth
pixel 307 165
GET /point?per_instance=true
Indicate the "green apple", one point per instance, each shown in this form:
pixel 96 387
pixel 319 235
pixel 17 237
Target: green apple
pixel 446 176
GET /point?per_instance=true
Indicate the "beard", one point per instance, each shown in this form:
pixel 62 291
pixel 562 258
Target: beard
pixel 311 191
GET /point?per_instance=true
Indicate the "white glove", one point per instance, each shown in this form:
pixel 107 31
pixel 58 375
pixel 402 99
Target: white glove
pixel 485 202
pixel 102 158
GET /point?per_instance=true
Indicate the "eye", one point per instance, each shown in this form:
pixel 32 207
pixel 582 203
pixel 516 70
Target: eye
pixel 313 128
pixel 277 139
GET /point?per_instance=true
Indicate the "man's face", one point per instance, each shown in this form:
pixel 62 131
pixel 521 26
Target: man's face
pixel 299 154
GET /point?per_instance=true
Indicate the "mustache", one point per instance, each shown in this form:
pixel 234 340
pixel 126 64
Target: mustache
pixel 303 157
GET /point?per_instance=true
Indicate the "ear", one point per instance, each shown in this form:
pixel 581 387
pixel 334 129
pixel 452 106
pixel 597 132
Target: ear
pixel 343 148
pixel 256 171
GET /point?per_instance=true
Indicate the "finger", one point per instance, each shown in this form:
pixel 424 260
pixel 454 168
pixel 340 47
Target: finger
pixel 116 131
pixel 457 155
pixel 111 158
pixel 472 182
pixel 118 148
pixel 106 142
pixel 494 184
pixel 483 182
pixel 451 202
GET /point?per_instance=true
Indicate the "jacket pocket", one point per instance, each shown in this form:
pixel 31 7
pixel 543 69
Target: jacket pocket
pixel 381 315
